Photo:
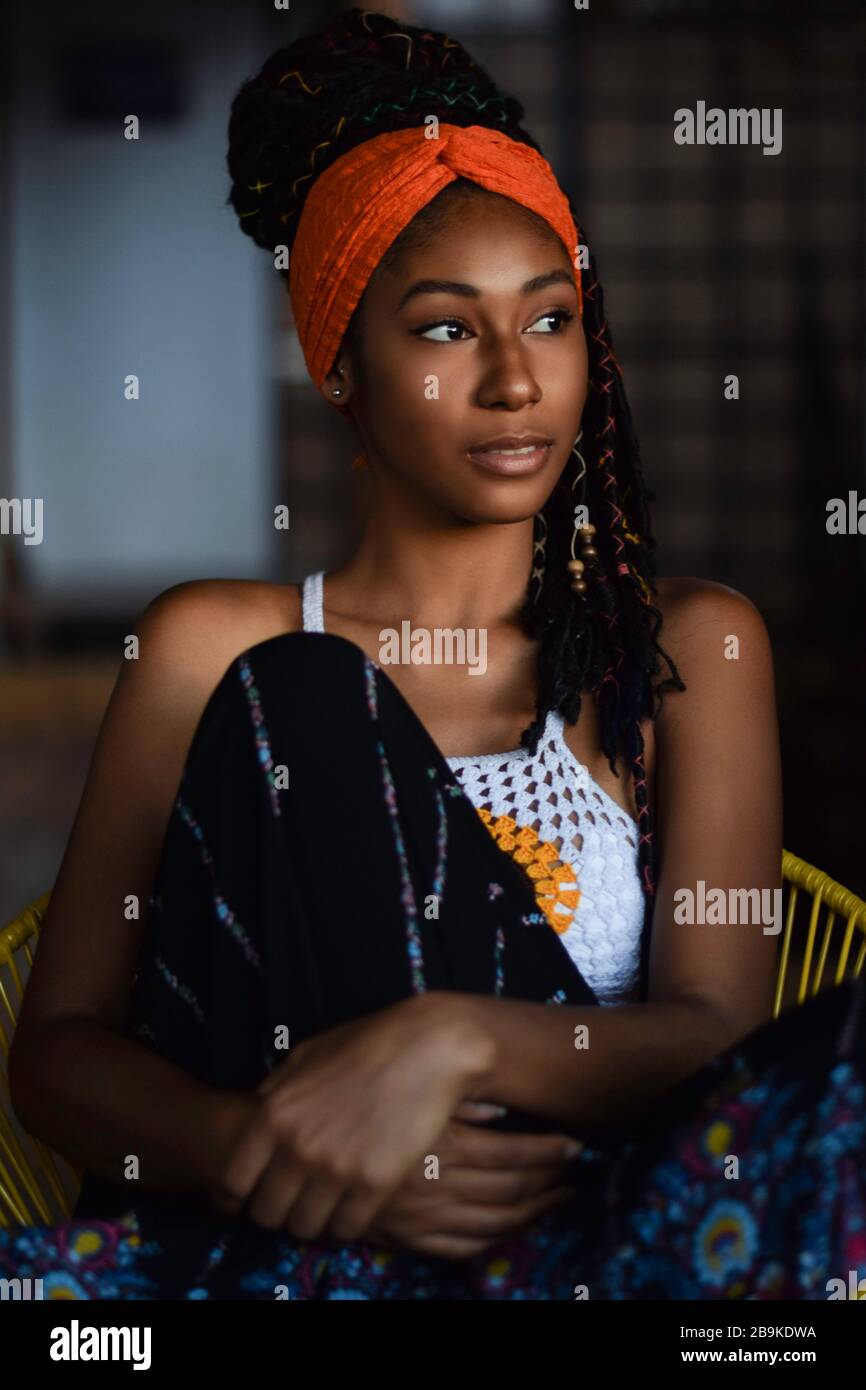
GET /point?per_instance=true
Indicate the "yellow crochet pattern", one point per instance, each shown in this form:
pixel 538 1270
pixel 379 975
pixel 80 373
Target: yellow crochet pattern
pixel 537 858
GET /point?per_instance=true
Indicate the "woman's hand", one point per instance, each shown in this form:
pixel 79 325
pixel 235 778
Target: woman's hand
pixel 341 1123
pixel 490 1185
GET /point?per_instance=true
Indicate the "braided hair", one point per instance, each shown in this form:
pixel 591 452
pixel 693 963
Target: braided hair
pixel 365 74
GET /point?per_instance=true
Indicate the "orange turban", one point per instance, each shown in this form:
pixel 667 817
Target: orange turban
pixel 361 203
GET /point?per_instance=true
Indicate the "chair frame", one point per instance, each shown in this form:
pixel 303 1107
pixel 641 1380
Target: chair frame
pixel 841 902
pixel 22 1181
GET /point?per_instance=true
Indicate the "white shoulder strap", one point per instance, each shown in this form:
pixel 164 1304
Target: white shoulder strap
pixel 311 597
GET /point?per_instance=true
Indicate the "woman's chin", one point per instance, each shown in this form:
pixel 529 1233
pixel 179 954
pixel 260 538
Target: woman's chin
pixel 505 506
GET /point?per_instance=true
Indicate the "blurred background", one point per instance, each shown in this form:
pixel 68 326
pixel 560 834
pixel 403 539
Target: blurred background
pixel 121 257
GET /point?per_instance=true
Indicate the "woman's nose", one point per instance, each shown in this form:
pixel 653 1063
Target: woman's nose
pixel 507 378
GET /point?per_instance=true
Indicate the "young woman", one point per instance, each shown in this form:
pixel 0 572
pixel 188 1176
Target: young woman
pixel 335 997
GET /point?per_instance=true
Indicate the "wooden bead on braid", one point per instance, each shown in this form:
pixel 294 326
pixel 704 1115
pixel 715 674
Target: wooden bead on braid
pixel 589 553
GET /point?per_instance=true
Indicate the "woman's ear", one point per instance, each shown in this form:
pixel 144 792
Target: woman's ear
pixel 337 386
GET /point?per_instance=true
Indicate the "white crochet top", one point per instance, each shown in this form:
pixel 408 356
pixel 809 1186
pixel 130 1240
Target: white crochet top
pixel 578 847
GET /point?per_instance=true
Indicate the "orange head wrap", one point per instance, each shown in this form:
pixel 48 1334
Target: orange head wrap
pixel 361 203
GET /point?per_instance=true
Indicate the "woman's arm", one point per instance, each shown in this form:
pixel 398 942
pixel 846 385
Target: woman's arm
pixel 633 1052
pixel 77 1082
pixel 99 1097
pixel 719 820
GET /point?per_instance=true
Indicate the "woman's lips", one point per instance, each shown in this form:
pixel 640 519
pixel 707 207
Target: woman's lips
pixel 512 462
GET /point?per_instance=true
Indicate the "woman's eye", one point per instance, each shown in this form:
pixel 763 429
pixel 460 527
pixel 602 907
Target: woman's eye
pixel 562 315
pixel 443 329
pixel 450 330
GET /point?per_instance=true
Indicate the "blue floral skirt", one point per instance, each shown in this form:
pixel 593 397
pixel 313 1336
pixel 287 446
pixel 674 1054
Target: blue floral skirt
pixel 313 819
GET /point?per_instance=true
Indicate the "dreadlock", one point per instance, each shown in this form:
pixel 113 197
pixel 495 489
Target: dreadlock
pixel 365 74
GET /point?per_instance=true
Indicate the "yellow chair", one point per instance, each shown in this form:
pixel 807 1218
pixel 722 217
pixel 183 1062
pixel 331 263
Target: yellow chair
pixel 819 891
pixel 38 1186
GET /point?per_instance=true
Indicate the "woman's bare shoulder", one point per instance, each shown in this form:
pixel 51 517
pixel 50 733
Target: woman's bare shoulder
pixel 690 606
pixel 707 626
pixel 684 597
pixel 203 624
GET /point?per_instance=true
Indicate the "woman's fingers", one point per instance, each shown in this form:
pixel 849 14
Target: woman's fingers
pixel 466 1232
pixel 486 1148
pixel 276 1193
pixel 308 1216
pixel 247 1161
pixel 485 1215
pixel 492 1219
pixel 499 1186
pixel 445 1247
pixel 489 1221
pixel 477 1111
pixel 278 1190
pixel 365 1204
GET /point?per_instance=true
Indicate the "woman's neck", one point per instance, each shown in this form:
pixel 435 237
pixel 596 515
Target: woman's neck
pixel 458 576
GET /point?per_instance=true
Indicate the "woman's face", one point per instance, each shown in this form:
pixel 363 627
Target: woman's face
pixel 466 341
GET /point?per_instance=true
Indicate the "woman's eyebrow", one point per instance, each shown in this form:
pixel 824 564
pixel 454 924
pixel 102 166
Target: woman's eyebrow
pixel 538 282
